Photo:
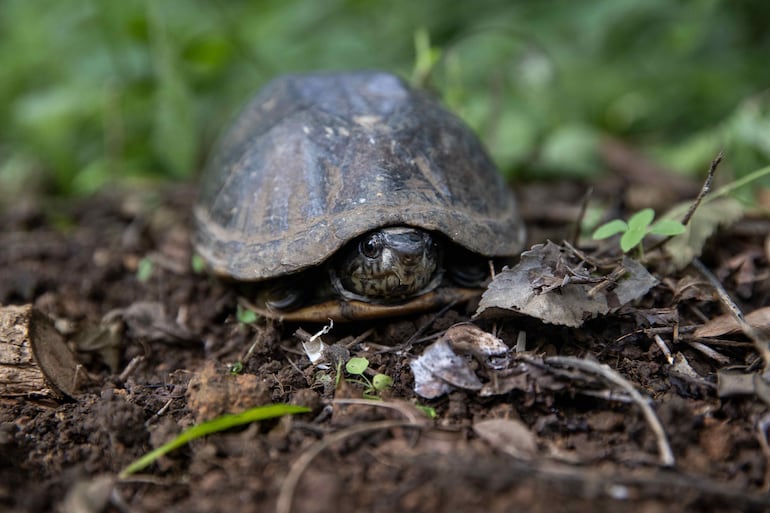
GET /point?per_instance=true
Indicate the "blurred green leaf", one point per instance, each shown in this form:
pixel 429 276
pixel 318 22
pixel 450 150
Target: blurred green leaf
pixel 609 229
pixel 356 365
pixel 381 381
pixel 630 239
pixel 144 269
pixel 94 92
pixel 641 220
pixel 667 227
pixel 245 315
pixel 217 425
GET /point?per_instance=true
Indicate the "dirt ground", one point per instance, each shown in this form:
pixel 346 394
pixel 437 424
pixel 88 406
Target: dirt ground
pixel 157 338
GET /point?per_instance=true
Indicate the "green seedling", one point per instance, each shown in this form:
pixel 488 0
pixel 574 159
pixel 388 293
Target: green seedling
pixel 637 228
pixel 216 425
pixel 197 264
pixel 144 269
pixel 245 316
pixel 427 410
pixel 357 366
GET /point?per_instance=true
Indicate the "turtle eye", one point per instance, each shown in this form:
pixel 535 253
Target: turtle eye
pixel 371 247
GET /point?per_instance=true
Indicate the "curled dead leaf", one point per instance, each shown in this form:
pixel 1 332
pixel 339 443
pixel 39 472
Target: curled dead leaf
pixel 552 284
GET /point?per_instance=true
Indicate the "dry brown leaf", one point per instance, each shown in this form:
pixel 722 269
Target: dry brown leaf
pixel 550 283
pixel 728 325
pixel 442 366
pixel 721 212
pixel 508 435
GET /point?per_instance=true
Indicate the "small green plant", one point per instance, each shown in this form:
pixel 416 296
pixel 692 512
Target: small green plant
pixel 144 269
pixel 197 264
pixel 637 228
pixel 430 411
pixel 357 366
pixel 245 316
pixel 216 425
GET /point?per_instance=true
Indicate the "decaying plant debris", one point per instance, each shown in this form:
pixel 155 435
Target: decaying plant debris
pixel 656 402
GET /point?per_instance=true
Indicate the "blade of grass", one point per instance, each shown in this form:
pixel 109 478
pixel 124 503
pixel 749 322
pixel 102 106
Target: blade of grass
pixel 213 426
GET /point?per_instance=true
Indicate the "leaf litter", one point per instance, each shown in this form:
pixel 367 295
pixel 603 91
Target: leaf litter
pixel 510 436
pixel 554 284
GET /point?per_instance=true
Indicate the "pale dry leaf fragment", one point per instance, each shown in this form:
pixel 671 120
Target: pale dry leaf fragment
pixel 732 383
pixel 550 283
pixel 89 495
pixel 720 213
pixel 728 325
pixel 511 436
pixel 682 367
pixel 148 320
pixel 444 364
pixel 439 369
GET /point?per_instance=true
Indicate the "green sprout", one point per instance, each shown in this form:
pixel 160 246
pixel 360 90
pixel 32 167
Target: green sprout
pixel 357 367
pixel 637 228
pixel 216 425
pixel 144 269
pixel 197 264
pixel 430 411
pixel 245 316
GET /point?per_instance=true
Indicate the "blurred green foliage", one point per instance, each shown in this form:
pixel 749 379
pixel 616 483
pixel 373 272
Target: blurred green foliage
pixel 99 91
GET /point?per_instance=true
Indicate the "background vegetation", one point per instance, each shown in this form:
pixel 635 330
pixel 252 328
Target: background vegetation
pixel 94 92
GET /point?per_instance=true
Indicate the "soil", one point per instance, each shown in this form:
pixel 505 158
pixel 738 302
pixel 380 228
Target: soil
pixel 157 341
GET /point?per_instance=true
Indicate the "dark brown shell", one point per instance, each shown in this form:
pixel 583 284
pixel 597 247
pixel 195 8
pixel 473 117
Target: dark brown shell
pixel 316 160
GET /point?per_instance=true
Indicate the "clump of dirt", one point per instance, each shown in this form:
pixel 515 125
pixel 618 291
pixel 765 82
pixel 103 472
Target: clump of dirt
pixel 162 349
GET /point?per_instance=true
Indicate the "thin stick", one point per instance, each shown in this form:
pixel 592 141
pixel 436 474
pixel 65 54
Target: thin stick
pixel 579 221
pixel 762 427
pixel 406 409
pixel 705 189
pixel 664 348
pixel 761 343
pixel 289 486
pixel 605 372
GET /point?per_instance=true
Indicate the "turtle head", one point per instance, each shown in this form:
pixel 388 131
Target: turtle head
pixel 389 264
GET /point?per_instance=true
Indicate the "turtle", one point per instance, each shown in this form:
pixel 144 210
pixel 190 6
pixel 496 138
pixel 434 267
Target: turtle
pixel 351 195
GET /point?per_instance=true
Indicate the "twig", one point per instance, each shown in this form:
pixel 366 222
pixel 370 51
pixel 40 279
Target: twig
pixel 761 343
pixel 579 221
pixel 360 338
pixel 289 486
pixel 604 371
pixel 407 346
pixel 709 352
pixel 762 427
pixel 406 409
pixel 705 189
pixel 664 348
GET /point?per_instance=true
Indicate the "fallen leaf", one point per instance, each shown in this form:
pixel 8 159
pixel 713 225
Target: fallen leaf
pixel 443 366
pixel 728 325
pixel 551 284
pixel 732 383
pixel 148 320
pixel 721 212
pixel 439 368
pixel 511 436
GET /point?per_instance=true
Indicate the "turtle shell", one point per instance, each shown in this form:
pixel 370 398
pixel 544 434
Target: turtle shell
pixel 315 160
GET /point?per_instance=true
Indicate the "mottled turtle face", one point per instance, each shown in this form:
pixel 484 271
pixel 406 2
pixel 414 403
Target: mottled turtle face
pixel 388 264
